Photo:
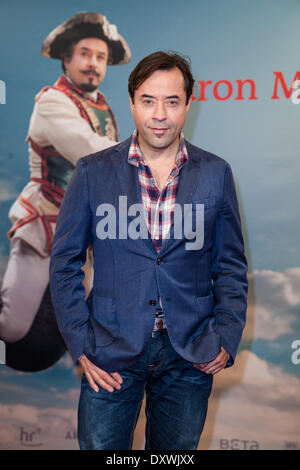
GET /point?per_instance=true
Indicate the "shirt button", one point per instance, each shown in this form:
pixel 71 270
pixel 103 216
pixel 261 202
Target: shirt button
pixel 159 261
pixel 152 302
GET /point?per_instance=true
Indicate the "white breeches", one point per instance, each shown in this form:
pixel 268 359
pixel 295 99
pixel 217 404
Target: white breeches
pixel 24 283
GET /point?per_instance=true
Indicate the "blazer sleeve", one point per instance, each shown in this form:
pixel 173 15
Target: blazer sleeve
pixel 229 271
pixel 72 237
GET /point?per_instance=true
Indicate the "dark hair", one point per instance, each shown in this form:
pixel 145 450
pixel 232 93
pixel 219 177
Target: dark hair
pixel 67 53
pixel 161 61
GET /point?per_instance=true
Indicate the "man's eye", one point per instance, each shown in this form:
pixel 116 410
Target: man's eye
pixel 172 102
pixel 147 101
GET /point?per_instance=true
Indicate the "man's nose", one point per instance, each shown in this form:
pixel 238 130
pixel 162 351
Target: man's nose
pixel 93 60
pixel 160 112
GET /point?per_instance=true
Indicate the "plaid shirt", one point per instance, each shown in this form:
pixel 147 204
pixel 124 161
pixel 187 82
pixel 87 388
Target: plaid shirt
pixel 158 205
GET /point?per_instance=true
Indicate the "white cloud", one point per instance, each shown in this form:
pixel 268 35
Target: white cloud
pixel 24 426
pixel 273 297
pixel 66 363
pixel 253 401
pixel 72 394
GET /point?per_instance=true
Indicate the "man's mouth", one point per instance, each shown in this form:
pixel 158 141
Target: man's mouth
pixel 159 130
pixel 91 73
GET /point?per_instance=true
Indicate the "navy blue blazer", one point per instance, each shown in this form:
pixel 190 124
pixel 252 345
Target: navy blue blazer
pixel 203 292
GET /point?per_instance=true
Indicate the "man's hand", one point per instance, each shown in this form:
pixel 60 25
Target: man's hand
pixel 216 365
pixel 95 375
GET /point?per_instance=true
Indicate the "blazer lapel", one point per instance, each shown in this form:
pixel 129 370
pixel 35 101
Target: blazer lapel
pixel 129 182
pixel 188 179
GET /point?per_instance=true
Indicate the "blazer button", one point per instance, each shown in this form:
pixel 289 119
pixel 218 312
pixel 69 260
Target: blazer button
pixel 159 261
pixel 152 302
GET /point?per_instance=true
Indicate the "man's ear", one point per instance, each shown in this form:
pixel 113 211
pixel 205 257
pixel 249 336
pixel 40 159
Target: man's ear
pixel 189 102
pixel 66 61
pixel 131 103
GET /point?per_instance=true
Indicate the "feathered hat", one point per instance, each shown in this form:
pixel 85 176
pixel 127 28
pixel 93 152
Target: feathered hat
pixel 86 25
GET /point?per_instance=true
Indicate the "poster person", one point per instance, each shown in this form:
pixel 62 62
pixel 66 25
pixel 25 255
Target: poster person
pixel 70 119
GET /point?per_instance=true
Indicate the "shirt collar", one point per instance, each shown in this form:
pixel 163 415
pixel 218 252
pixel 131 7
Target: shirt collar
pixel 136 157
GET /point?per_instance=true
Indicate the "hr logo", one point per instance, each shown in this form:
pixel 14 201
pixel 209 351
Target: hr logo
pixel 2 92
pixel 30 438
pixel 2 352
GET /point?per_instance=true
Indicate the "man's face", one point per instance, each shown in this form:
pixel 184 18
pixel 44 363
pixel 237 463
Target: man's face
pixel 87 66
pixel 159 109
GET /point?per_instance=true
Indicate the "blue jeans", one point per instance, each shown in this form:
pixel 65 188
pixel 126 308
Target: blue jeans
pixel 176 403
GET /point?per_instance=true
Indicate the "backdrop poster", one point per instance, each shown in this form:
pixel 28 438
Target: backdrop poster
pixel 246 109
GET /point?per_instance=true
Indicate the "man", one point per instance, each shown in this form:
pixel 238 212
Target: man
pixel 165 314
pixel 70 120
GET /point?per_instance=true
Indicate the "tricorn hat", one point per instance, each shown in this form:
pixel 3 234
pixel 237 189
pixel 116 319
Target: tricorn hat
pixel 86 25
